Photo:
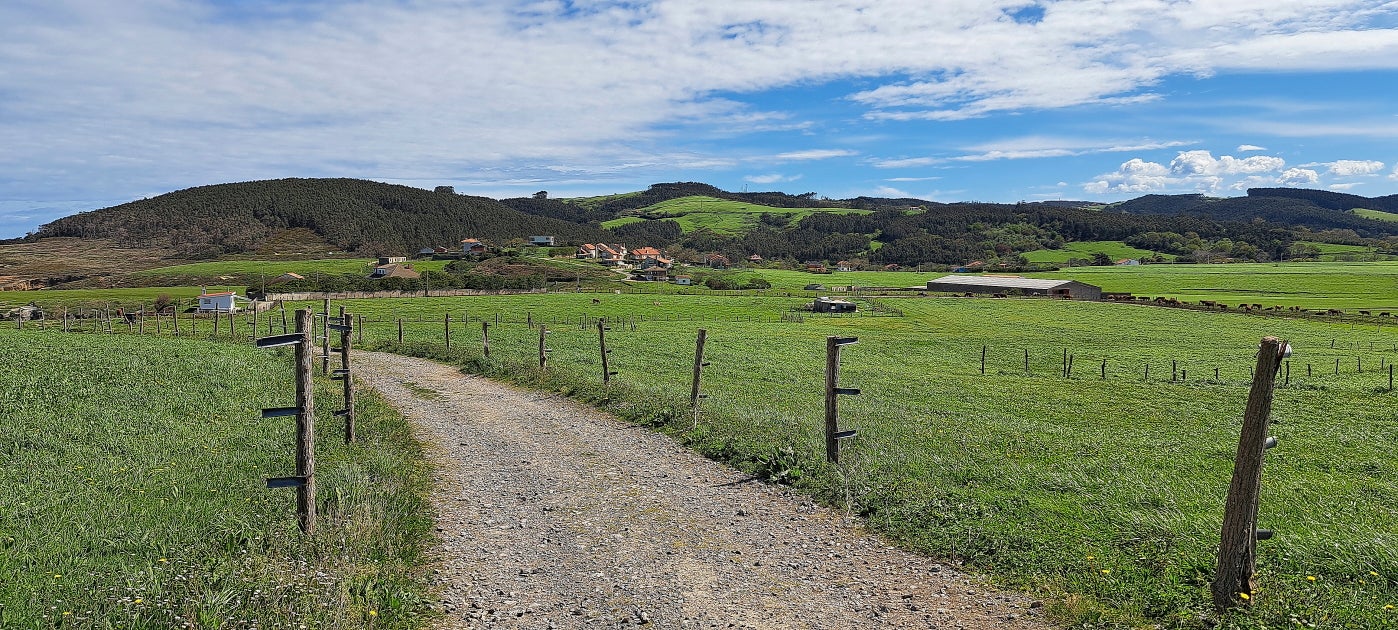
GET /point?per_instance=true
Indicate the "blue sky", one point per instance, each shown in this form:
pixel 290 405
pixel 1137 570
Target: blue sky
pixel 104 102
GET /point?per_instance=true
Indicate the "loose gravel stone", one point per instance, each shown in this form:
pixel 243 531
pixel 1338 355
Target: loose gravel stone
pixel 551 514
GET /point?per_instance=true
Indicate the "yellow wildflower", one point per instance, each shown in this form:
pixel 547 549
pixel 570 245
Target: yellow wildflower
pixel 1310 578
pixel 1244 596
pixel 1106 571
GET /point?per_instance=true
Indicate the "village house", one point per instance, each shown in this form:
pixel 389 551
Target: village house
pixel 717 261
pixel 816 266
pixel 395 270
pixel 653 273
pixel 472 247
pixel 844 265
pixel 684 280
pixel 1127 262
pixel 389 260
pixel 611 255
pixel 645 257
pixel 755 259
pixel 543 241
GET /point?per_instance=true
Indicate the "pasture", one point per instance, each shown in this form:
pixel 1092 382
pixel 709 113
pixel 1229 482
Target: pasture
pixel 1104 493
pixel 134 471
pixel 720 215
pixel 1310 285
pixel 1101 490
pixel 1116 250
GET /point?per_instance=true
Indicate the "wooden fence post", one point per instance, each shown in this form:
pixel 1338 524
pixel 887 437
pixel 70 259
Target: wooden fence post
pixel 833 434
pixel 446 328
pixel 602 349
pixel 346 336
pixel 304 480
pixel 1235 580
pixel 485 339
pixel 400 330
pixel 983 360
pixel 699 364
pixel 543 350
pixel 231 332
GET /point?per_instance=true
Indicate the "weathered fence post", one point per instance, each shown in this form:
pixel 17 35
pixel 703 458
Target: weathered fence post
pixel 446 328
pixel 607 373
pixel 359 330
pixel 1104 369
pixel 1235 580
pixel 983 349
pixel 1026 361
pixel 485 339
pixel 699 364
pixel 400 330
pixel 833 434
pixel 231 332
pixel 346 328
pixel 543 349
pixel 304 479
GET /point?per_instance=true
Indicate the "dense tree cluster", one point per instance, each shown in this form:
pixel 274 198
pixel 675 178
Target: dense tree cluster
pixel 351 215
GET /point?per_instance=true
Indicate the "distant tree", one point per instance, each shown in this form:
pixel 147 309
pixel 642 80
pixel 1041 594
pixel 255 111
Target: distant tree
pixel 1100 259
pixel 450 190
pixel 543 194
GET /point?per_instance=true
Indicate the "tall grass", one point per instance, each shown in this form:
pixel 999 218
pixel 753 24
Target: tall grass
pixel 1103 494
pixel 133 472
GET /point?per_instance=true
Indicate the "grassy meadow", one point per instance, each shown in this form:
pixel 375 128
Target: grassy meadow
pixel 1103 494
pixel 134 494
pixel 720 215
pixel 1116 250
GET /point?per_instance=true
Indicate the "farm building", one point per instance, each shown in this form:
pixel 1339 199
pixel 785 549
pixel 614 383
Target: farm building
pixel 395 270
pixel 1015 285
pixel 542 240
pixel 684 280
pixel 832 305
pixel 223 302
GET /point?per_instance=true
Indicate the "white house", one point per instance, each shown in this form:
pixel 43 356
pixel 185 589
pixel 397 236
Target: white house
pixel 542 240
pixel 220 302
pixel 684 280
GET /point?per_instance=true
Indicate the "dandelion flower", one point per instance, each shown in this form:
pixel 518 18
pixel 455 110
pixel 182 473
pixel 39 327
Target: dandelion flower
pixel 1106 571
pixel 163 560
pixel 1244 596
pixel 1091 557
pixel 1374 573
pixel 1310 578
pixel 375 613
pixel 57 575
pixel 140 601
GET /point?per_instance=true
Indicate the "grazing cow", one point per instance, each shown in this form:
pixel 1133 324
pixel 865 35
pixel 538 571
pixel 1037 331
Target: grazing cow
pixel 1257 306
pixel 1384 314
pixel 1000 295
pixel 969 294
pixel 596 301
pixel 1209 303
pixel 1334 311
pixel 1364 313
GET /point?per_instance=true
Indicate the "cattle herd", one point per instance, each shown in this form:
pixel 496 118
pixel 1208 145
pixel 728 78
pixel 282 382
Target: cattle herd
pixel 1247 308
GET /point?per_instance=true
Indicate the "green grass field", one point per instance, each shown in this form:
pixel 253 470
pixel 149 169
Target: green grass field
pixel 720 215
pixel 1375 214
pixel 1369 285
pixel 1104 495
pixel 1116 250
pixel 134 469
pixel 1101 492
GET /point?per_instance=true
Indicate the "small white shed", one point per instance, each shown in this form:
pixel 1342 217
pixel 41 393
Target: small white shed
pixel 220 302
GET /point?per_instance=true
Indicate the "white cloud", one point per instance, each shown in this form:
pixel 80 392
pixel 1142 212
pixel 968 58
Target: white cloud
pixel 816 154
pixel 1344 186
pixel 911 179
pixel 1045 147
pixel 1352 168
pixel 889 191
pixel 1246 148
pixel 1133 176
pixel 1203 163
pixel 1298 177
pixel 772 178
pixel 906 162
pixel 1394 174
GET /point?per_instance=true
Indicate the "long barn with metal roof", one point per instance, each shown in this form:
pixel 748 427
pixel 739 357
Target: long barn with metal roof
pixel 1015 285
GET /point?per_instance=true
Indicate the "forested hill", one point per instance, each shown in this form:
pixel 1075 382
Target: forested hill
pixel 350 215
pixel 1296 207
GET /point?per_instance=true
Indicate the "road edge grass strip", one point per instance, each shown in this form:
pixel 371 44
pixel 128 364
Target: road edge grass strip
pixel 95 532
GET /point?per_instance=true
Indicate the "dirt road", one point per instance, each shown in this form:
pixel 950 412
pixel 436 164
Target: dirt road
pixel 555 515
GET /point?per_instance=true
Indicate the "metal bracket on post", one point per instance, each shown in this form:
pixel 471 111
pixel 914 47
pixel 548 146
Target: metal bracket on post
pixel 833 391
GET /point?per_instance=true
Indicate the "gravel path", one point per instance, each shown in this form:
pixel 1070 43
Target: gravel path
pixel 552 514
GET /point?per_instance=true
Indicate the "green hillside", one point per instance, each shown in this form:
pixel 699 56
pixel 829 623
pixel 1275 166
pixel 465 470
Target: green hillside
pixel 1378 215
pixel 349 215
pixel 724 216
pixel 1116 250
